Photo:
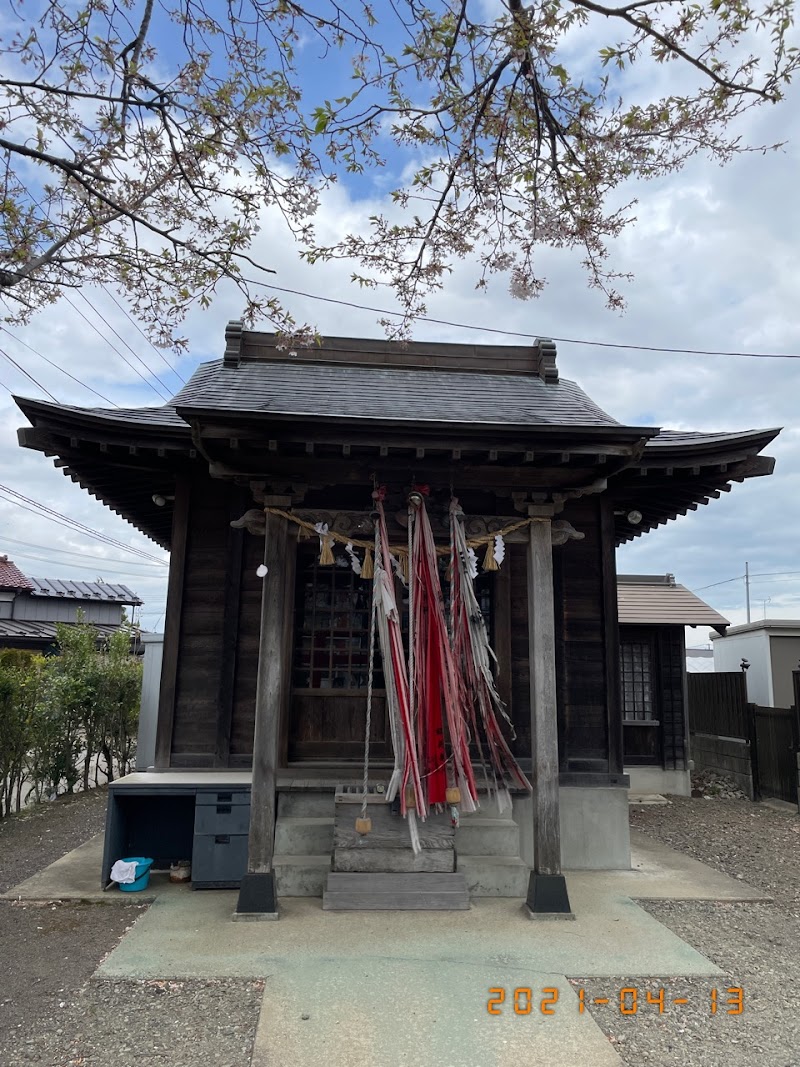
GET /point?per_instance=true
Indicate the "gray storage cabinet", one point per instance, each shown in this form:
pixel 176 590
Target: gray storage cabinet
pixel 173 816
pixel 219 854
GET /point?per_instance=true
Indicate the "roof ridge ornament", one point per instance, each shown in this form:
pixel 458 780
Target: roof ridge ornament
pixel 544 349
pixel 233 341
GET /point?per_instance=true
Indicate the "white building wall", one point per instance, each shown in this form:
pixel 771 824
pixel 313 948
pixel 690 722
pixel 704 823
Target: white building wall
pixel 148 709
pixel 753 646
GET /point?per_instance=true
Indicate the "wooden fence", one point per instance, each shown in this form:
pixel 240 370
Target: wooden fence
pixel 758 746
pixel 718 704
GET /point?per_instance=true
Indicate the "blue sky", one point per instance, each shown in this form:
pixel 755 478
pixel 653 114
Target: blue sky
pixel 714 254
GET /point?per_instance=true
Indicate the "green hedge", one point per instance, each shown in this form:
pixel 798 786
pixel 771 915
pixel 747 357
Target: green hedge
pixel 67 719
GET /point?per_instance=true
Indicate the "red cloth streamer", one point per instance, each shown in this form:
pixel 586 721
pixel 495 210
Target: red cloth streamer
pixel 397 664
pixel 438 696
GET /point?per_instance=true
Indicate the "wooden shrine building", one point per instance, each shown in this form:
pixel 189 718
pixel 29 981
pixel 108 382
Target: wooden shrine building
pixel 283 658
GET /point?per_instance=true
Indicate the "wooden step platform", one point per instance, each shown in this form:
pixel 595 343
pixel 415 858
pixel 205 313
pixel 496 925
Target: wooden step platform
pixel 395 892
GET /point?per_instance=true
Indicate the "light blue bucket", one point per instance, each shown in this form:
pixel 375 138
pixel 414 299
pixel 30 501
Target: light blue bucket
pixel 143 865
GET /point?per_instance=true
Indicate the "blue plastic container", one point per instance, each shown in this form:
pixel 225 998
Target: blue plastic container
pixel 143 865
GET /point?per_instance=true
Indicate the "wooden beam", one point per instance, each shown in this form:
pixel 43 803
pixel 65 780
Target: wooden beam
pixel 309 448
pixel 420 453
pixel 231 596
pixel 257 893
pixel 547 890
pixel 290 572
pixel 384 451
pixel 172 623
pixel 529 457
pixel 345 450
pixel 492 455
pixel 456 453
pixel 330 471
pixel 608 568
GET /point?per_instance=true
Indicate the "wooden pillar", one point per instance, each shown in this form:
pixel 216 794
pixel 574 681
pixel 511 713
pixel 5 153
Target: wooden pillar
pixel 547 888
pixel 257 896
pixel 172 623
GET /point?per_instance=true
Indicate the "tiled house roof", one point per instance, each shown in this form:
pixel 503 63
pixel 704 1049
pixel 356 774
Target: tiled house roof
pixel 11 577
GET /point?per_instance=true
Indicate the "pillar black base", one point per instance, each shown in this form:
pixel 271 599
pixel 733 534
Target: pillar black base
pixel 257 897
pixel 548 897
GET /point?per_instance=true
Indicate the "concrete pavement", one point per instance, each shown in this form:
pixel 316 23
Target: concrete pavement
pixel 356 989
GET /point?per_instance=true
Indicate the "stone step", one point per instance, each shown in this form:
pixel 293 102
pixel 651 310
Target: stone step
pixel 303 835
pixel 478 835
pixel 395 892
pixel 306 803
pixel 495 876
pixel 397 860
pixel 301 876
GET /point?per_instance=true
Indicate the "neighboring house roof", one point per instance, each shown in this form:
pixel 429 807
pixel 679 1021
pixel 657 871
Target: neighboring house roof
pixel 107 592
pixel 658 600
pixel 25 632
pixel 781 627
pixel 11 577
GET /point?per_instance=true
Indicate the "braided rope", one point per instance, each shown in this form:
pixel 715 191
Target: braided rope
pixel 400 550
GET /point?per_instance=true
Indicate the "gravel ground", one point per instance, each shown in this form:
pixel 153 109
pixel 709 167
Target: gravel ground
pixel 756 945
pixel 38 836
pixel 54 1014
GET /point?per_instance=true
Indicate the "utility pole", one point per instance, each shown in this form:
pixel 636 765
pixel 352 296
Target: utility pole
pixel 747 588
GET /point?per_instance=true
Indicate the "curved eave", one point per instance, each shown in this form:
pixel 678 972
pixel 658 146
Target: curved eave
pixel 677 473
pixel 119 457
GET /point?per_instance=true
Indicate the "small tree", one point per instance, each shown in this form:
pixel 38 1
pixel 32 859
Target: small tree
pixel 21 675
pixel 118 698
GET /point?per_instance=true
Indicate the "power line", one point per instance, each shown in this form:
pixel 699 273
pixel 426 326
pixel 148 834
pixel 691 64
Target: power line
pixel 134 323
pixel 62 519
pixel 132 351
pixel 94 569
pixel 27 375
pixel 67 552
pixel 739 578
pixel 57 367
pixel 122 309
pixel 114 348
pixel 519 333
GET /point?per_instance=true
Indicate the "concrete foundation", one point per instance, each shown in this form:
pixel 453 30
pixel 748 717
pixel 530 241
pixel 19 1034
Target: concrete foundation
pixel 658 780
pixel 595 834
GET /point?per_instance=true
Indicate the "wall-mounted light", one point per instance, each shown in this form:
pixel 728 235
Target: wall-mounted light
pixel 160 499
pixel 634 517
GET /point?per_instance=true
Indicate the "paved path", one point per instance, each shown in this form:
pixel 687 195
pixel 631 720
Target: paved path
pixel 350 989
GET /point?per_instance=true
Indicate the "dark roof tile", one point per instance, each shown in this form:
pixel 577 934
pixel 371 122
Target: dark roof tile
pixel 108 592
pixel 412 395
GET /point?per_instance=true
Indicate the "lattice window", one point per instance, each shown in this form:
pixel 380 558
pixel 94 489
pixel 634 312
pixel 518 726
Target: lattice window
pixel 636 666
pixel 332 616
